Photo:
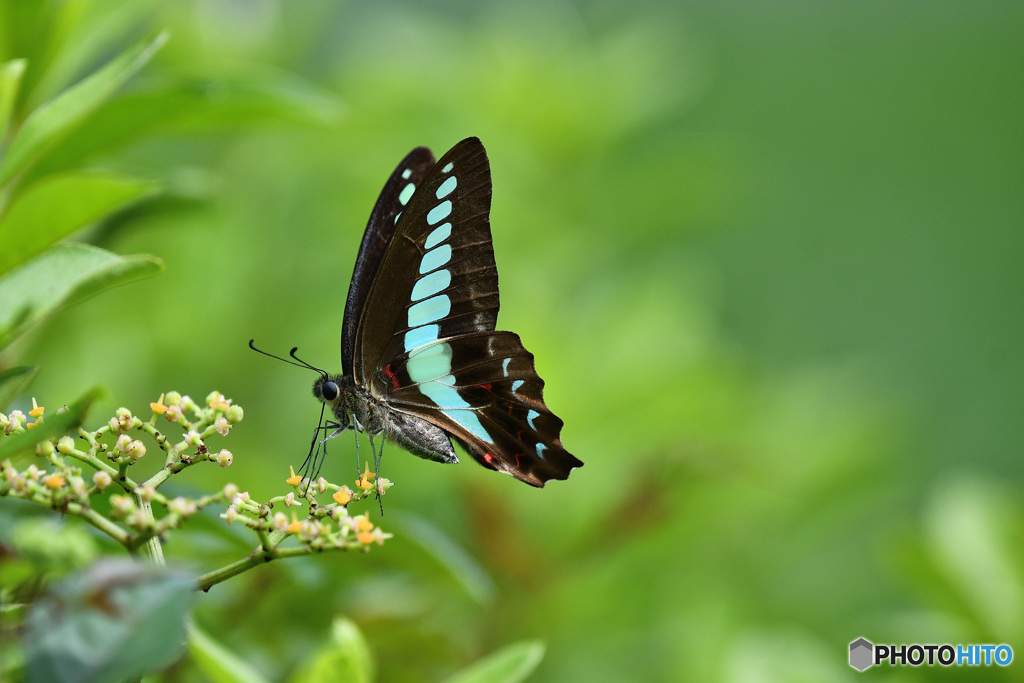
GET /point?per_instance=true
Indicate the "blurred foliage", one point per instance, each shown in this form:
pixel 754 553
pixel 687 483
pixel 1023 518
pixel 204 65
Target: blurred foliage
pixel 115 621
pixel 767 257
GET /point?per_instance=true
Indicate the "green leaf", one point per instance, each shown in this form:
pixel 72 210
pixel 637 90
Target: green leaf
pixel 249 96
pixel 59 205
pixel 13 381
pixel 61 277
pixel 51 121
pixel 115 620
pixel 216 662
pixel 510 664
pixel 86 37
pixel 10 81
pixel 54 425
pixel 346 657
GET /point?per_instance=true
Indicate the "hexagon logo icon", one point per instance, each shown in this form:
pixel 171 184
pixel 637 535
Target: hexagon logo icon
pixel 861 654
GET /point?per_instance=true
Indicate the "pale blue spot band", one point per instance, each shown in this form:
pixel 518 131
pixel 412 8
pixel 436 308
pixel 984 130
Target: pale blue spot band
pixel 420 336
pixel 435 258
pixel 431 370
pixel 439 212
pixel 406 194
pixel 427 363
pixel 438 235
pixel 447 187
pixel 431 284
pixel 429 310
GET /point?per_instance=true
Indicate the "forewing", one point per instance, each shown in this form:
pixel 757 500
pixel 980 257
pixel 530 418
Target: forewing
pixel 483 389
pixel 436 277
pixel 393 199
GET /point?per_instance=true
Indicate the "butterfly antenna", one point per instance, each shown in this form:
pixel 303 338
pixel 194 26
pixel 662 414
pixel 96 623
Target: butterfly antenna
pixel 303 363
pixel 300 363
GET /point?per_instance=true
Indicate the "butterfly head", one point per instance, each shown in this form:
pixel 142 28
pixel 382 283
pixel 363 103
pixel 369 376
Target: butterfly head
pixel 330 388
pixel 327 388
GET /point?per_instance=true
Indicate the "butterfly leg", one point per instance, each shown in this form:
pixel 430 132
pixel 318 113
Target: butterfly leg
pixel 356 430
pixel 377 455
pixel 318 450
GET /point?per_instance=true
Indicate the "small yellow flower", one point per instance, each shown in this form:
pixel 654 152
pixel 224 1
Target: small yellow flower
pixel 295 525
pixel 293 480
pixel 366 537
pixel 363 523
pixel 342 496
pixel 37 410
pixel 54 481
pixel 159 408
pixel 217 401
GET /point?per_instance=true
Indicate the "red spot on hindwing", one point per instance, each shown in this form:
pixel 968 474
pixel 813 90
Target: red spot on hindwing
pixel 486 387
pixel 392 376
pixel 489 459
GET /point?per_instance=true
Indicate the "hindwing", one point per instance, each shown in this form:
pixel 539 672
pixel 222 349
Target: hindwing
pixel 482 389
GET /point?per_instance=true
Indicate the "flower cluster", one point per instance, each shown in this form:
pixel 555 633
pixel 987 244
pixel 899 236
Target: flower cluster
pixel 17 422
pixel 73 474
pixel 326 526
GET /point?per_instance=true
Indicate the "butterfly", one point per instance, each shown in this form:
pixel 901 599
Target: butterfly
pixel 422 362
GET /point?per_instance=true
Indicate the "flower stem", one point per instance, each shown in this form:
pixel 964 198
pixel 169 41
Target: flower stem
pixel 258 557
pixel 153 547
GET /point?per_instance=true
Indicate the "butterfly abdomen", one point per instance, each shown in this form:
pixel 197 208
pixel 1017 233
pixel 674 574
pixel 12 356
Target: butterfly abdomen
pixel 418 436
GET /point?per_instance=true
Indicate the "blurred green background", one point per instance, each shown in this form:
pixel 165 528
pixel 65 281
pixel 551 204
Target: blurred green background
pixel 768 257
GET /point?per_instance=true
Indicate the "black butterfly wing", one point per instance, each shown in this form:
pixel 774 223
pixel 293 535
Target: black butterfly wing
pixel 437 277
pixel 426 341
pixel 484 391
pixel 379 230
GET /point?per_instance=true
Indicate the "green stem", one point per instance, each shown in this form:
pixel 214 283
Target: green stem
pixel 160 477
pixel 128 484
pixel 153 547
pixel 100 522
pixel 258 557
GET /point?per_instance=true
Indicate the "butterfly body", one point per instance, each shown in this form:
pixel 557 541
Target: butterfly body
pixel 355 408
pixel 422 362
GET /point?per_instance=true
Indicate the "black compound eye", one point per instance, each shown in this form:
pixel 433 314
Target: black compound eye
pixel 330 390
